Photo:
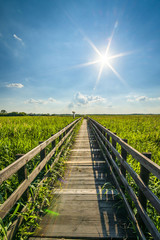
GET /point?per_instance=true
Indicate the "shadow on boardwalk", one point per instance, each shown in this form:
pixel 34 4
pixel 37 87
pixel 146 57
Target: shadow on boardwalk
pixel 85 210
pixel 113 215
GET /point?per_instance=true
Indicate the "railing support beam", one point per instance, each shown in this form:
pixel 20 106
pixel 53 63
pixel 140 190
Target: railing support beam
pixel 22 175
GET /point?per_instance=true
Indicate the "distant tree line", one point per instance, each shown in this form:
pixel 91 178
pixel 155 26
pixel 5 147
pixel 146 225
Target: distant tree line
pixel 5 113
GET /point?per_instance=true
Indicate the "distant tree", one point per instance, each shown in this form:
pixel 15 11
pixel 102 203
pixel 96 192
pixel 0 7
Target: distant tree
pixel 3 111
pixel 22 114
pixel 13 114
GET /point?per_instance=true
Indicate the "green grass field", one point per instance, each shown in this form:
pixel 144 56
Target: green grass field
pixel 18 135
pixel 142 131
pixel 21 134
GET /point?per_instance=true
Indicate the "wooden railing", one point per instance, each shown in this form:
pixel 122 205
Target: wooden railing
pixel 112 156
pixel 19 166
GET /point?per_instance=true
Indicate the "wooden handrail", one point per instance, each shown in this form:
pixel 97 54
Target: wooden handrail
pixel 15 196
pixel 146 162
pixel 99 132
pixel 147 192
pixel 15 166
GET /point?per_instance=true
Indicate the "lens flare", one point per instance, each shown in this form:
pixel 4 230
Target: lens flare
pixel 51 212
pixel 104 58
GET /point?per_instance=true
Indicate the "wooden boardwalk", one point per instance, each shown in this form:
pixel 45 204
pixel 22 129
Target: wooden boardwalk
pixel 84 208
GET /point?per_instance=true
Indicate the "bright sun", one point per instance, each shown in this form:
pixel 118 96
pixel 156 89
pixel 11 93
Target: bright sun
pixel 104 59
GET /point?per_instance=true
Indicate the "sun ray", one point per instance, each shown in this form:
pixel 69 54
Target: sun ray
pixel 93 46
pixel 110 39
pixel 116 73
pixel 120 55
pixel 99 76
pixel 104 58
pixel 108 45
pixel 86 64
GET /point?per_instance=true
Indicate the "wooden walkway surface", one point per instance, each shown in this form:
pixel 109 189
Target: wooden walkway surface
pixel 84 209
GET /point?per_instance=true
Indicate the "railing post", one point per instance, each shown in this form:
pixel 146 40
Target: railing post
pixel 124 156
pixel 42 153
pixel 60 137
pixel 144 175
pixel 53 142
pixel 108 138
pixel 22 175
pixel 114 145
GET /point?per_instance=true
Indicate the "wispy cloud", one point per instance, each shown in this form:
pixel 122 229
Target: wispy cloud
pixel 15 85
pixel 18 39
pixel 81 100
pixel 40 101
pixel 141 99
pixel 51 100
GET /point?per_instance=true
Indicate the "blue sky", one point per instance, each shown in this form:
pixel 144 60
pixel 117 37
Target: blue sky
pixel 91 56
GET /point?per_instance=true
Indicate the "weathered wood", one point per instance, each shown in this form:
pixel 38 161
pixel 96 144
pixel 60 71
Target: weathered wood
pixel 147 221
pixel 147 192
pixel 22 175
pixel 124 157
pixel 146 162
pixel 14 227
pixel 15 196
pixel 42 153
pixel 144 175
pixel 129 210
pixel 114 146
pixel 15 166
pixel 83 210
pixel 108 138
pixel 53 143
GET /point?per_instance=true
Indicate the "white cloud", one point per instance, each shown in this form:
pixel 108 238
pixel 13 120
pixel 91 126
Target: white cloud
pixel 15 85
pixel 141 99
pixel 16 37
pixel 51 100
pixel 32 101
pixel 81 100
pixel 40 101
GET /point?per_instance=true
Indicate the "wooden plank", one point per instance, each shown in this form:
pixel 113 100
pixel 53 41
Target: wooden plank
pixel 82 212
pixel 146 162
pixel 15 166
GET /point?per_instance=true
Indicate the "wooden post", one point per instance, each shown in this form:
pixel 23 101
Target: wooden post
pixel 114 145
pixel 144 174
pixel 104 134
pixel 42 153
pixel 124 156
pixel 53 143
pixel 60 137
pixel 22 175
pixel 108 138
